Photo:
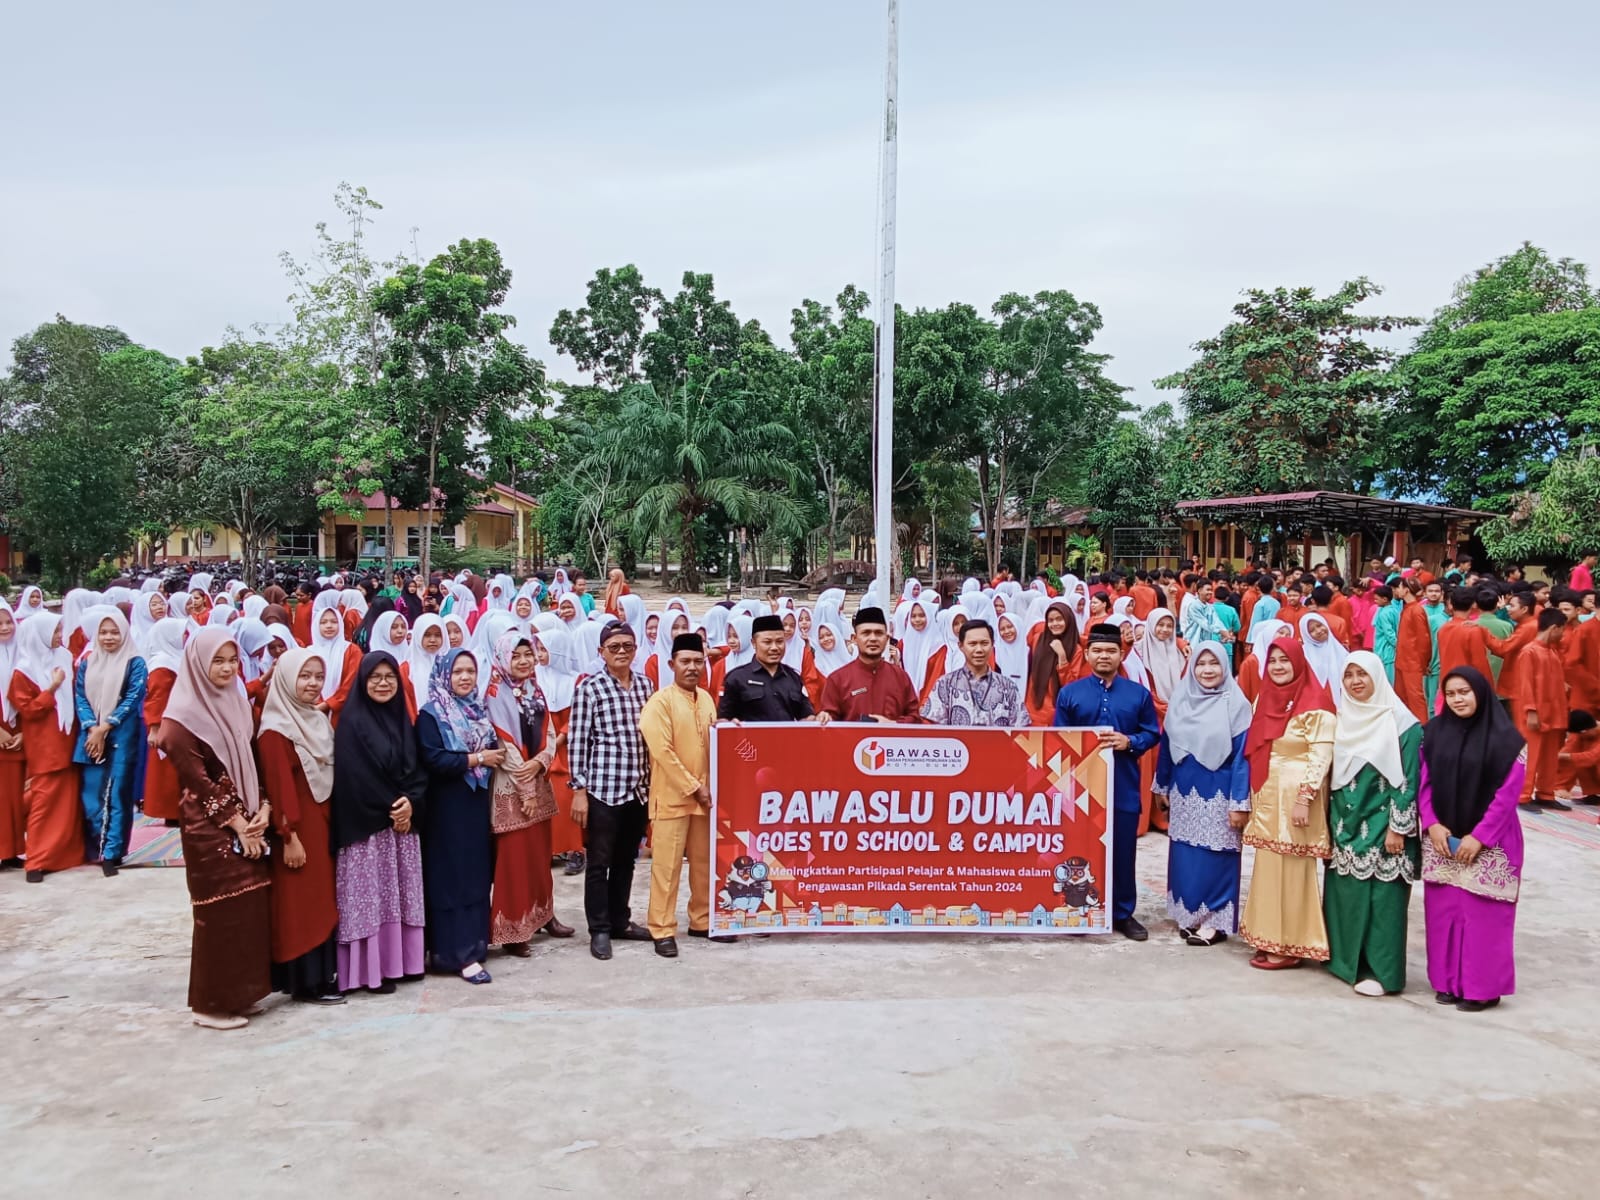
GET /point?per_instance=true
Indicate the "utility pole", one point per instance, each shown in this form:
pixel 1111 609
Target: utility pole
pixel 883 398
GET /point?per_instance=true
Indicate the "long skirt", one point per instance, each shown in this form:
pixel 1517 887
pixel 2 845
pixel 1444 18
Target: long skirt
pixel 1367 928
pixel 1283 913
pixel 314 973
pixel 55 821
pixel 109 792
pixel 13 807
pixel 230 964
pixel 524 896
pixel 1203 887
pixel 160 788
pixel 381 915
pixel 1470 943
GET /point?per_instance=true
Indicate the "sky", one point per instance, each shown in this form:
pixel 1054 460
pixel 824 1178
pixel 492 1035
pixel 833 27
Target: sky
pixel 1154 158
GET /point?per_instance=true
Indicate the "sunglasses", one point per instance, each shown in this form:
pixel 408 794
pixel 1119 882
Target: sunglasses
pixel 620 647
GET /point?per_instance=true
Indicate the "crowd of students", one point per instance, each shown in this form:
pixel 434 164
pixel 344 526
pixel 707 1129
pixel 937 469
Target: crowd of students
pixel 372 782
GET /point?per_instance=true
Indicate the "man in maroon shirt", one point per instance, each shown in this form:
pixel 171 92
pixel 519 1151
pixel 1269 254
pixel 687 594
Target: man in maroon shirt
pixel 868 688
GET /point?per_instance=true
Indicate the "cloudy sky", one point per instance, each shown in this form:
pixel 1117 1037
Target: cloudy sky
pixel 1153 157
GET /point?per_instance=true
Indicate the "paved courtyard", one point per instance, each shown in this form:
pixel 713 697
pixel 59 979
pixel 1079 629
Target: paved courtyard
pixel 830 1066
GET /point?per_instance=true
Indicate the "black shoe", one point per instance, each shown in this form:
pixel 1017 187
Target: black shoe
pixel 10 862
pixel 35 876
pixel 575 863
pixel 386 988
pixel 667 947
pixel 1476 1005
pixel 635 932
pixel 1558 804
pixel 1445 998
pixel 1130 928
pixel 703 933
pixel 600 946
pixel 327 998
pixel 109 867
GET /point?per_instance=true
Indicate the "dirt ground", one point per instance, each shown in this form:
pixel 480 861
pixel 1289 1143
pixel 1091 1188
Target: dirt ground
pixel 827 1067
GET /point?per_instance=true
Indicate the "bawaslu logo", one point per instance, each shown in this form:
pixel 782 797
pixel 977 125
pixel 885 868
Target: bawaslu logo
pixel 910 756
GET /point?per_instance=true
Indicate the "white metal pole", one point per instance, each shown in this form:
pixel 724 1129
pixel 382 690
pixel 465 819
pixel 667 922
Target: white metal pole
pixel 883 475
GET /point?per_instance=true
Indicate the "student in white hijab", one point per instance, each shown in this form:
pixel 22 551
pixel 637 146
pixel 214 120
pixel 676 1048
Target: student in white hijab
pixel 328 639
pixel 659 668
pixel 501 590
pixel 741 641
pixel 1159 651
pixel 918 646
pixel 148 608
pixel 1011 649
pixel 1132 664
pixel 75 606
pixel 428 641
pixel 109 689
pixel 30 603
pixel 830 641
pixel 253 606
pixel 1324 653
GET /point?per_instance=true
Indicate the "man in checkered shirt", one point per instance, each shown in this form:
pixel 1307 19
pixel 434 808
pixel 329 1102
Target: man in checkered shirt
pixel 610 766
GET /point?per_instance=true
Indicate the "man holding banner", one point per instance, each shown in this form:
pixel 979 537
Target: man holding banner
pixel 1108 700
pixel 976 695
pixel 869 687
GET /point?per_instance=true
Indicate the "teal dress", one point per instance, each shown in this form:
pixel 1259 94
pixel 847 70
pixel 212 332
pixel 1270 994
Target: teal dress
pixel 1367 890
pixel 113 787
pixel 1438 617
pixel 1385 634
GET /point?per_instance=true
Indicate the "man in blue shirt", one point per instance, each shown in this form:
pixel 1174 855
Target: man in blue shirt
pixel 1126 714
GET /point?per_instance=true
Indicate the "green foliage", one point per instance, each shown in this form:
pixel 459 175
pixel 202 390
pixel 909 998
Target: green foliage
pixel 1504 378
pixel 101 575
pixel 451 366
pixel 1558 524
pixel 1083 555
pixel 481 560
pixel 1129 477
pixel 68 482
pixel 1289 395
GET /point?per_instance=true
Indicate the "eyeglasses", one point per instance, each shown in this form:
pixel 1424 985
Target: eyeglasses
pixel 620 647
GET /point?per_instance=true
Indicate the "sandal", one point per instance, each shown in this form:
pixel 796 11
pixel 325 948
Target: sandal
pixel 481 977
pixel 1276 962
pixel 220 1021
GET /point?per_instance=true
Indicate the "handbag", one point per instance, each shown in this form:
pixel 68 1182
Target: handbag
pixel 1491 875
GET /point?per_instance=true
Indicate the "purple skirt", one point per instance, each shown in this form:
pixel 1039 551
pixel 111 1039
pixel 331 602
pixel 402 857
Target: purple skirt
pixel 379 889
pixel 1470 943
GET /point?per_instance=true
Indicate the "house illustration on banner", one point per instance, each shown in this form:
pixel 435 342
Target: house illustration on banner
pixel 899 916
pixel 1039 918
pixel 814 917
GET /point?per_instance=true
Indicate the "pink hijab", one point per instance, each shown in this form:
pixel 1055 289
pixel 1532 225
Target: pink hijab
pixel 219 717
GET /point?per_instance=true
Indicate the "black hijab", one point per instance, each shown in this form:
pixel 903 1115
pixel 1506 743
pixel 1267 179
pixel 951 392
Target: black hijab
pixel 374 759
pixel 376 609
pixel 1469 759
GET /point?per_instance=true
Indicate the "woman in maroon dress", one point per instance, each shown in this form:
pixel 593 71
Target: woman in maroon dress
pixel 523 900
pixel 295 747
pixel 206 733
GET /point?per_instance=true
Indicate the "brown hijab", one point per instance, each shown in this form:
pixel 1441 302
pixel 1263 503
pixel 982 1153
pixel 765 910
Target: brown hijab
pixel 219 717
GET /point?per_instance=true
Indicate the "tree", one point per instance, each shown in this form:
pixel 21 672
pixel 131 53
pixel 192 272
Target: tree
pixel 1127 478
pixel 265 434
pixel 1558 524
pixel 1501 381
pixel 1289 395
pixel 831 401
pixel 154 388
pixel 63 439
pixel 606 336
pixel 450 365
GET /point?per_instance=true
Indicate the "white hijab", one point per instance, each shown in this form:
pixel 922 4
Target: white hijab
pixel 501 590
pixel 1326 658
pixel 382 630
pixel 1368 731
pixel 163 645
pixel 30 603
pixel 421 661
pixel 143 619
pixel 75 606
pixel 1011 658
pixel 36 660
pixel 105 674
pixel 8 665
pixel 1162 659
pixel 1264 634
pixel 332 649
pixel 663 646
pixel 829 661
pixel 740 623
pixel 1132 665
pixel 917 648
pixel 559 678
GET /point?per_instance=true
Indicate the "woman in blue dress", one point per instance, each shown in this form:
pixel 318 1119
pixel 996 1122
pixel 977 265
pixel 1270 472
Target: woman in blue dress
pixel 1204 773
pixel 108 690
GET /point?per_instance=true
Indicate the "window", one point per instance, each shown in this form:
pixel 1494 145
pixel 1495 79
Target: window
pixel 373 541
pixel 441 533
pixel 297 543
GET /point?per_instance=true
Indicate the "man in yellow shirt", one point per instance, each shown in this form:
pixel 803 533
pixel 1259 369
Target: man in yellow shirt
pixel 676 724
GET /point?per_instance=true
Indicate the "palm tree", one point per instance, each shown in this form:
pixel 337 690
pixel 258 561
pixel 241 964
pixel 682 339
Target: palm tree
pixel 690 450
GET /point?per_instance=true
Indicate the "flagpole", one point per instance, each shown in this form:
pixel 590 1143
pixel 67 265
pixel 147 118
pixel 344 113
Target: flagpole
pixel 883 439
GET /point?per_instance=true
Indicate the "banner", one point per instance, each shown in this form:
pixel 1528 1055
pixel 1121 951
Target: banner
pixel 908 828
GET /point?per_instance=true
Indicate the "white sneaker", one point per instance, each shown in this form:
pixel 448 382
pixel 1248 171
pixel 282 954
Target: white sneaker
pixel 1369 987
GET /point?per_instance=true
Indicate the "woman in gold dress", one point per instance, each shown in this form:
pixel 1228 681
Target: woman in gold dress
pixel 1290 748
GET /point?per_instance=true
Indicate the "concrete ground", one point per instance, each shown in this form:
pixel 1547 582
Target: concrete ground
pixel 829 1066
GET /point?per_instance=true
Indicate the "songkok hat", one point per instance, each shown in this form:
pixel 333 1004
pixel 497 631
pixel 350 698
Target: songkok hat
pixel 766 623
pixel 869 616
pixel 1105 633
pixel 688 641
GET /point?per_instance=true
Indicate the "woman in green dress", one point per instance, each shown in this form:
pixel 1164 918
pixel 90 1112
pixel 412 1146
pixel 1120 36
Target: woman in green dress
pixel 1377 747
